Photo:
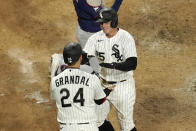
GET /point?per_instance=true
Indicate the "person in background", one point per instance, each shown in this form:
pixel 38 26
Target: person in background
pixel 87 12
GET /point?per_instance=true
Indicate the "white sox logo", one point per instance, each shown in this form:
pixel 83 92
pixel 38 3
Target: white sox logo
pixel 69 60
pixel 116 53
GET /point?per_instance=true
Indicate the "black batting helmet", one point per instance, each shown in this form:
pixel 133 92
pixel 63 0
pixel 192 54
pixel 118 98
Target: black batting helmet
pixel 71 53
pixel 108 14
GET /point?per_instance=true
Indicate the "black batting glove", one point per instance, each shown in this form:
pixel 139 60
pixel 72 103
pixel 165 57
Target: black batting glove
pixel 108 65
pixel 85 59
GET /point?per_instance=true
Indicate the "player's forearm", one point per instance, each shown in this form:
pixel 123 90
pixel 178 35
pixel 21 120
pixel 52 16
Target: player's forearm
pixel 116 5
pixel 101 101
pixel 86 7
pixel 128 65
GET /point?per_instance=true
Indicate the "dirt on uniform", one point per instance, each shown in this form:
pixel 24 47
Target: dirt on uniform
pixel 164 31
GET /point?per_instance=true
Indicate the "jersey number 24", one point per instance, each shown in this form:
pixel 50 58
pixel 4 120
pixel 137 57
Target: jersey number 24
pixel 78 98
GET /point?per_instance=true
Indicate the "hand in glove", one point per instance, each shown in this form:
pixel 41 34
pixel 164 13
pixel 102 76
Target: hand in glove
pixel 85 59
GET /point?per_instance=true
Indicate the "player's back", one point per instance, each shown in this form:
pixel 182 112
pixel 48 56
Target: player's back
pixel 74 91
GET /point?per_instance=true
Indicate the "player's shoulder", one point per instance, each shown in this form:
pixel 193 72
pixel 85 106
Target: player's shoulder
pixel 97 35
pixel 57 76
pixel 91 74
pixel 68 72
pixel 125 33
pixel 88 73
pixel 93 78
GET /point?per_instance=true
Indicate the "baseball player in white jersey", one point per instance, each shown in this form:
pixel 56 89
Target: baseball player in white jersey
pixel 76 93
pixel 87 12
pixel 58 65
pixel 116 52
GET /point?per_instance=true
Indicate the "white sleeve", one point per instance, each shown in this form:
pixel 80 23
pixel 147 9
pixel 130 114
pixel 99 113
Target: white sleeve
pixel 57 61
pixel 86 68
pixel 129 47
pixel 99 93
pixel 52 90
pixel 89 48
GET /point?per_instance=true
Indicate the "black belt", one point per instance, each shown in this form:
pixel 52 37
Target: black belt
pixel 111 82
pixel 73 123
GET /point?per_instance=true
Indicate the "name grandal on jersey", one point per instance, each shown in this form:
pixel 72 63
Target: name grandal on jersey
pixel 72 80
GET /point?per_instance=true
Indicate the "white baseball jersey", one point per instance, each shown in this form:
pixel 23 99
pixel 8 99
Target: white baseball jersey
pixel 74 91
pixel 108 50
pixel 56 64
pixel 116 49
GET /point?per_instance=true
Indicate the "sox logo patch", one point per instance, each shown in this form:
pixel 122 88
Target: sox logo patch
pixel 117 53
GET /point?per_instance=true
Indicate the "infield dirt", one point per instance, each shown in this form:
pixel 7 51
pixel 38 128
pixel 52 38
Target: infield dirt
pixel 165 35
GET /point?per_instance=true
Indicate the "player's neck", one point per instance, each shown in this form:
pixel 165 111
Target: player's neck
pixel 112 33
pixel 76 65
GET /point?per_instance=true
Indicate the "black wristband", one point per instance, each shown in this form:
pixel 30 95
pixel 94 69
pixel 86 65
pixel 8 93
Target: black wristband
pixel 107 91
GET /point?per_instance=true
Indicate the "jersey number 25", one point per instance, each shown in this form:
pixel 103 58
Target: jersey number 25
pixel 75 99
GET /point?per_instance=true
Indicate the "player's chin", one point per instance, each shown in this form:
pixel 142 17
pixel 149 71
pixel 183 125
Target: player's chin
pixel 106 31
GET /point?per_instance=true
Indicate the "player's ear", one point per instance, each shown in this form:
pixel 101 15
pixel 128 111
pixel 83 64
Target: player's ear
pixel 80 59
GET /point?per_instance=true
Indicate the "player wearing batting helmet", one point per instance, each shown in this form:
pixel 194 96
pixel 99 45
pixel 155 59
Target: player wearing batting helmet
pixel 76 92
pixel 116 51
pixel 87 12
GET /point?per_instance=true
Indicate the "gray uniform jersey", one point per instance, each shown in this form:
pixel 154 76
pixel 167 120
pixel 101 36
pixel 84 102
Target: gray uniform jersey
pixel 108 50
pixel 74 91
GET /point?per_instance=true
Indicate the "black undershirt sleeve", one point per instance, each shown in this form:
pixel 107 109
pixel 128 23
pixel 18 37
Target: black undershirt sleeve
pixel 128 65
